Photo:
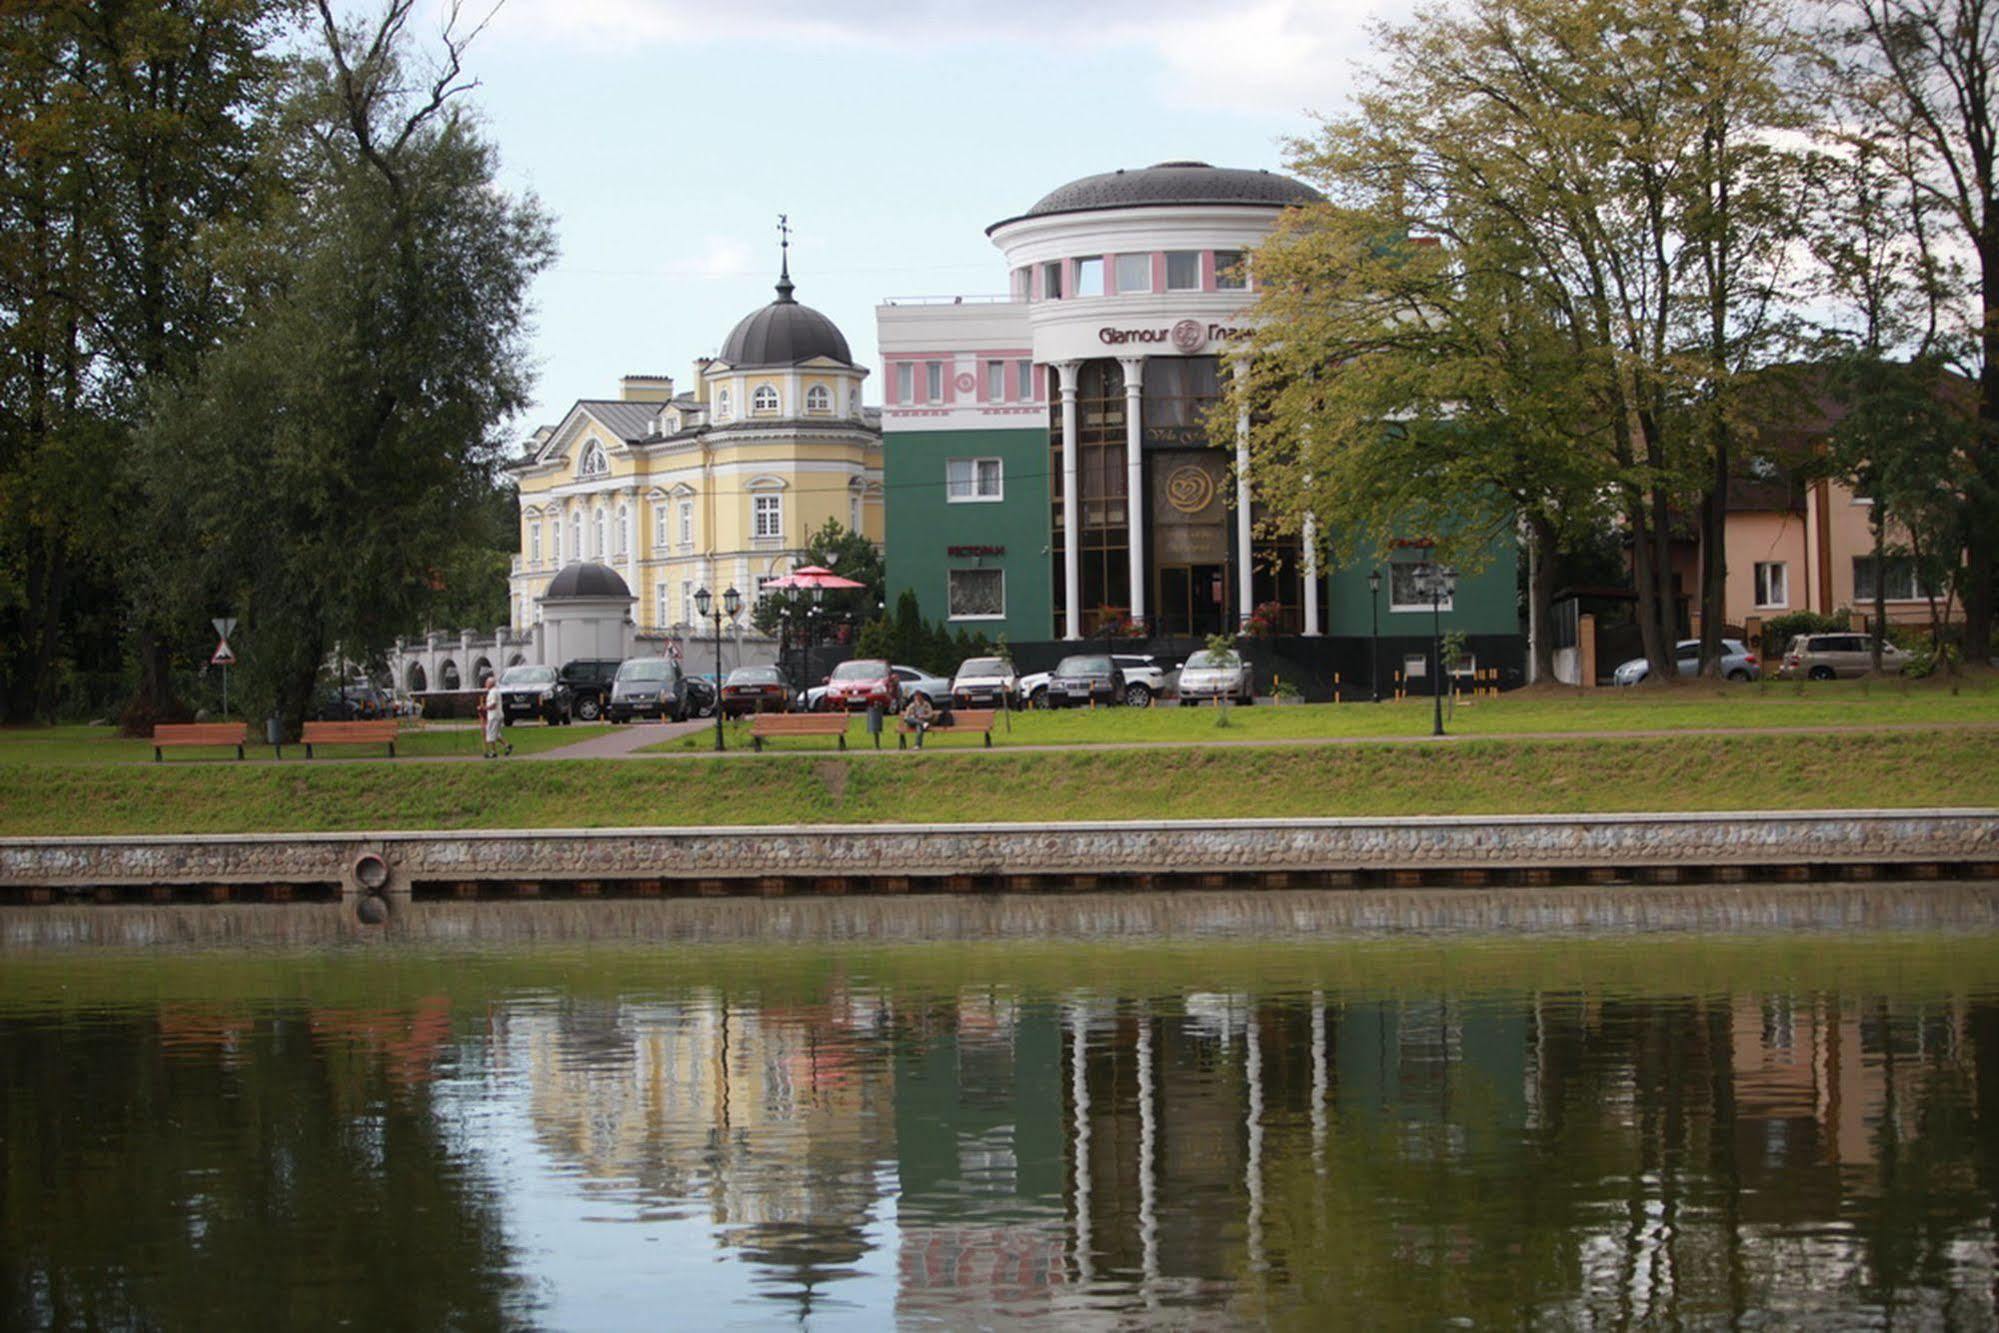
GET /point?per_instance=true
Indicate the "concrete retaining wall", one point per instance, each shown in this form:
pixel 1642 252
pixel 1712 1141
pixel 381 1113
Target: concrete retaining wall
pixel 1495 843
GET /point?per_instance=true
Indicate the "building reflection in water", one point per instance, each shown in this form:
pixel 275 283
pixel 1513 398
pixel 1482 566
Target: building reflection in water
pixel 1570 1157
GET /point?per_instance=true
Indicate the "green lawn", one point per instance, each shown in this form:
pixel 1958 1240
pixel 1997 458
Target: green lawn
pixel 103 745
pixel 1948 768
pixel 1762 705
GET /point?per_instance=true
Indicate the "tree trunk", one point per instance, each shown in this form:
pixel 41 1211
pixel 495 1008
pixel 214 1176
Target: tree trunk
pixel 1880 518
pixel 1541 593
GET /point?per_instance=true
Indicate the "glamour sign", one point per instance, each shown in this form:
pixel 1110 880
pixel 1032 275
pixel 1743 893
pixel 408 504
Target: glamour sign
pixel 1189 335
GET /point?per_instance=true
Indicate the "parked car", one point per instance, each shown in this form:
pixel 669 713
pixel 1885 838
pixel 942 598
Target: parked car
pixel 533 691
pixel 648 687
pixel 1033 688
pixel 1213 676
pixel 860 682
pixel 1145 677
pixel 1085 679
pixel 589 681
pixel 755 689
pixel 1737 662
pixel 356 700
pixel 1826 656
pixel 704 696
pixel 985 682
pixel 912 680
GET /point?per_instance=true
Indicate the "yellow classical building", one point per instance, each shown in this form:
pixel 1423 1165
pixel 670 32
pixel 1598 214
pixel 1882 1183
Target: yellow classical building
pixel 719 487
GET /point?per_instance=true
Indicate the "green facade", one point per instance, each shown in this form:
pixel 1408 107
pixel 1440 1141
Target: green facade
pixel 928 535
pixel 1487 599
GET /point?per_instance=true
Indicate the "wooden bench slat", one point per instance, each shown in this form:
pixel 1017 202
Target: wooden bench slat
pixel 380 731
pixel 962 719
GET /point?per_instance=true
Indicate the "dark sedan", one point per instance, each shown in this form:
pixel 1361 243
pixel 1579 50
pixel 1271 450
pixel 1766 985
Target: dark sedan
pixel 1077 681
pixel 755 689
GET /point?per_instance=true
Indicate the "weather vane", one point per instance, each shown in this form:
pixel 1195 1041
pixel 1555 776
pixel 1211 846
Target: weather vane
pixel 784 242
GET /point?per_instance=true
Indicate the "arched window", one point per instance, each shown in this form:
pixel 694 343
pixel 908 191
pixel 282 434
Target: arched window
pixel 764 400
pixel 534 543
pixel 480 670
pixel 515 660
pixel 856 496
pixel 721 404
pixel 418 682
pixel 447 675
pixel 598 534
pixel 818 399
pixel 593 463
pixel 853 402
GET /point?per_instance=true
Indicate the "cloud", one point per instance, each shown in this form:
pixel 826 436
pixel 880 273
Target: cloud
pixel 1261 55
pixel 718 257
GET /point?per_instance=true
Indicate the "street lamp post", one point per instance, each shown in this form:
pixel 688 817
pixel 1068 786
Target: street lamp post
pixel 704 602
pixel 1374 639
pixel 1443 581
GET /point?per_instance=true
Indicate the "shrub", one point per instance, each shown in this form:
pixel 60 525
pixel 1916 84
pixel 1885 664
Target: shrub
pixel 1778 631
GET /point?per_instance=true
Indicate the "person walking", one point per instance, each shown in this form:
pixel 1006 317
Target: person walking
pixel 493 720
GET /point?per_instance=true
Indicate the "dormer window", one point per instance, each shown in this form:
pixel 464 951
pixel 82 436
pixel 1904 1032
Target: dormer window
pixel 722 405
pixel 817 399
pixel 764 401
pixel 593 463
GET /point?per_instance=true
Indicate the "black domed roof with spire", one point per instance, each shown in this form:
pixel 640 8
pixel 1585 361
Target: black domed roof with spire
pixel 784 333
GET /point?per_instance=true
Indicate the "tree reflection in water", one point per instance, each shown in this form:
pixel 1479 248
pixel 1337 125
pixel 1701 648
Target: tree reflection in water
pixel 1706 1131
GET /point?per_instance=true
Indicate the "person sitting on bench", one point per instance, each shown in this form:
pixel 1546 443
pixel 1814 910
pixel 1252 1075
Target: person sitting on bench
pixel 919 716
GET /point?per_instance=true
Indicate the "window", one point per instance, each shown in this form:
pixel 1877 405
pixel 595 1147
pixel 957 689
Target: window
pixel 764 401
pixel 624 530
pixel 659 527
pixel 687 523
pixel 1407 586
pixel 1899 579
pixel 968 479
pixel 855 498
pixel 598 533
pixel 659 606
pixel 534 543
pixel 1134 273
pixel 1773 584
pixel 853 402
pixel 1051 280
pixel 769 512
pixel 995 381
pixel 592 463
pixel 977 594
pixel 1023 380
pixel 763 587
pixel 1225 279
pixel 687 607
pixel 722 405
pixel 576 534
pixel 904 390
pixel 1183 270
pixel 1023 284
pixel 933 381
pixel 817 399
pixel 1090 275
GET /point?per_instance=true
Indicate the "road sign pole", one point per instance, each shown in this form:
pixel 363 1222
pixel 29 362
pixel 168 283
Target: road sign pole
pixel 225 689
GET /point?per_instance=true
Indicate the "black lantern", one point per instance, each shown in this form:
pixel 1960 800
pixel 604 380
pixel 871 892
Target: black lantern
pixel 1374 640
pixel 1439 583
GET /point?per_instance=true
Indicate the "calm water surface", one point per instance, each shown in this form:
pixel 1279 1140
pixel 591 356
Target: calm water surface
pixel 1644 1130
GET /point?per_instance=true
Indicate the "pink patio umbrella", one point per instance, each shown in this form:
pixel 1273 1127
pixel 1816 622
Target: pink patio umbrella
pixel 813 576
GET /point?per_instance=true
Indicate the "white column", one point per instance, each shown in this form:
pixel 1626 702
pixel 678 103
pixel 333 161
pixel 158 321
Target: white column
pixel 632 528
pixel 1079 1041
pixel 1242 534
pixel 1148 1152
pixel 1134 477
pixel 1072 552
pixel 1311 576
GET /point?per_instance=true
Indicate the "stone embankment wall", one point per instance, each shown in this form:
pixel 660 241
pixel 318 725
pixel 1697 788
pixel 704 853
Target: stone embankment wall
pixel 896 854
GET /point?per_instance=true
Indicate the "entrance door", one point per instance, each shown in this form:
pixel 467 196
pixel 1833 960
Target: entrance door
pixel 1192 599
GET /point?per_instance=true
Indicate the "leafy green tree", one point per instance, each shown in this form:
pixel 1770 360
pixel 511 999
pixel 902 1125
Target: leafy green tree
pixel 335 451
pixel 848 554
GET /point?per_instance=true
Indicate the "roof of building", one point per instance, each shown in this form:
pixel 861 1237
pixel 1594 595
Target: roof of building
pixel 631 420
pixel 1168 183
pixel 586 579
pixel 784 333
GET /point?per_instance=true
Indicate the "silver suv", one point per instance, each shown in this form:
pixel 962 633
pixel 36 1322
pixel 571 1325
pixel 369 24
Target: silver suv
pixel 1830 656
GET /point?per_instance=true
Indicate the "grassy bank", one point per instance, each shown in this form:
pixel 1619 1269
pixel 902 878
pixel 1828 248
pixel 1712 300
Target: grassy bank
pixel 1475 777
pixel 1749 707
pixel 103 745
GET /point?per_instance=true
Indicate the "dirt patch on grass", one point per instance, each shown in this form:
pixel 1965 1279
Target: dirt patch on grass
pixel 832 775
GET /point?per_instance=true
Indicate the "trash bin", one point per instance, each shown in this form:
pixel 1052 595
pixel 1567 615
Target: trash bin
pixel 875 723
pixel 274 731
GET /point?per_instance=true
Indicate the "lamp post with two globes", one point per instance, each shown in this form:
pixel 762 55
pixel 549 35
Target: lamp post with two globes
pixel 732 602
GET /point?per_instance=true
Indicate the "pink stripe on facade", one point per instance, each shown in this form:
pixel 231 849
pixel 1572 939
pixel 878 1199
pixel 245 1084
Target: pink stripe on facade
pixel 1158 270
pixel 950 380
pixel 1207 270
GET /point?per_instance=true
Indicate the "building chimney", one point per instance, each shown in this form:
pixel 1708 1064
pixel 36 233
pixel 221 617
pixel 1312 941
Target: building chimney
pixel 701 364
pixel 646 388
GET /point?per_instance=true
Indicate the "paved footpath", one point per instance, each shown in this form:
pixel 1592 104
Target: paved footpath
pixel 621 742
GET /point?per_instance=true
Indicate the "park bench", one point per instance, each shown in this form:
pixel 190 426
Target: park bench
pixel 798 724
pixel 380 731
pixel 174 734
pixel 957 720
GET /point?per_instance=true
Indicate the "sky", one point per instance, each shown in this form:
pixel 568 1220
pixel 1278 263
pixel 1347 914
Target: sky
pixel 666 136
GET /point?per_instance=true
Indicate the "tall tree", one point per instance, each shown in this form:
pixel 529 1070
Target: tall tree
pixel 329 457
pixel 1922 75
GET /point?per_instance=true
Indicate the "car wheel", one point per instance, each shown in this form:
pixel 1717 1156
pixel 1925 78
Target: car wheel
pixel 1038 699
pixel 1822 673
pixel 588 709
pixel 1738 674
pixel 1137 696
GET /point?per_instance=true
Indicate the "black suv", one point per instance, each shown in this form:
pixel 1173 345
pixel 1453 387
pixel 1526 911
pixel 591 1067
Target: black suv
pixel 589 681
pixel 533 691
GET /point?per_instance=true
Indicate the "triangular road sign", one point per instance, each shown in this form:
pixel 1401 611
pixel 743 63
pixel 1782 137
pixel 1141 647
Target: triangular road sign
pixel 223 655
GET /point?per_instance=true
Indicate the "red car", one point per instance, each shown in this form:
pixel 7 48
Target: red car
pixel 858 683
pixel 755 689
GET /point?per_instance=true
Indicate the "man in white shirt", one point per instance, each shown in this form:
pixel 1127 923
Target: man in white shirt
pixel 493 714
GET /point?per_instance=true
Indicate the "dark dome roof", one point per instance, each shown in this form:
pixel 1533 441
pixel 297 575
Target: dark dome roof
pixel 784 333
pixel 1171 183
pixel 584 579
